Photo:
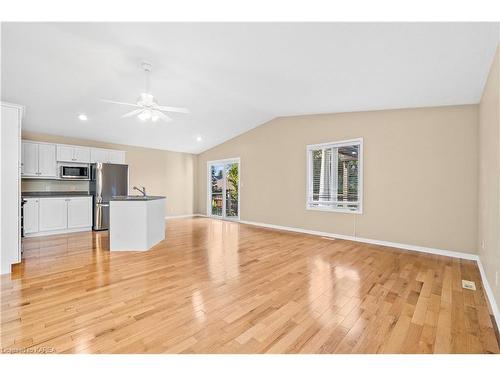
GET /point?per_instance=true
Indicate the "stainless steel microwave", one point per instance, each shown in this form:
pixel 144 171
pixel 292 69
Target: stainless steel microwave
pixel 75 172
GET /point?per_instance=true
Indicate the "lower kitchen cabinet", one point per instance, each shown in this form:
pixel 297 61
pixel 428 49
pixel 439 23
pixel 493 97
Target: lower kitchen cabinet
pixel 53 214
pixel 30 216
pixel 57 215
pixel 79 212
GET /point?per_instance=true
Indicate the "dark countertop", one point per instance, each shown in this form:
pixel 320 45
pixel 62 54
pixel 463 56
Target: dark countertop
pixel 136 198
pixel 48 194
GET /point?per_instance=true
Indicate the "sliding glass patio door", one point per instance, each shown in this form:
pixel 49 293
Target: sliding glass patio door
pixel 224 189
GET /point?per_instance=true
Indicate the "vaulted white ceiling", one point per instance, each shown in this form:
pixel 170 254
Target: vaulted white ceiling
pixel 233 76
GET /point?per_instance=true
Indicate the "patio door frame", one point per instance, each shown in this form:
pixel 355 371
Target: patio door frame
pixel 209 188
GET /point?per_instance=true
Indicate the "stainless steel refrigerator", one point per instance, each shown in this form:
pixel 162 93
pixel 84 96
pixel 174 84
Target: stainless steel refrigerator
pixel 106 181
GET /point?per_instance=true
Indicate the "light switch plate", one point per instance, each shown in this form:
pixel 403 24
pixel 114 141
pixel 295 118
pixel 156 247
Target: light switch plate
pixel 467 284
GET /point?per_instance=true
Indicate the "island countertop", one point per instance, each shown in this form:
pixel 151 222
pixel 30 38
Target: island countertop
pixel 56 194
pixel 134 198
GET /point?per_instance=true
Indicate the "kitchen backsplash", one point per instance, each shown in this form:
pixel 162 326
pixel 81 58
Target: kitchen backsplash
pixel 53 185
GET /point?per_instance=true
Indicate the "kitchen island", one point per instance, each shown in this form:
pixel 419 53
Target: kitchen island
pixel 136 223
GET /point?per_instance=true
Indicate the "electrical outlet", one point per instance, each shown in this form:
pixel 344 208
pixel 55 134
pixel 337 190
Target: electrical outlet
pixel 482 245
pixel 467 284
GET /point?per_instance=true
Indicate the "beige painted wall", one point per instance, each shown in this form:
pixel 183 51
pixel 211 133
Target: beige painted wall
pixel 420 174
pixel 489 175
pixel 162 172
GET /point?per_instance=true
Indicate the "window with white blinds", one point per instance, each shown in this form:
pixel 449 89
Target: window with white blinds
pixel 334 176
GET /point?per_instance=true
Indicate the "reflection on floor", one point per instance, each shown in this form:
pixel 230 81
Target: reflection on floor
pixel 223 287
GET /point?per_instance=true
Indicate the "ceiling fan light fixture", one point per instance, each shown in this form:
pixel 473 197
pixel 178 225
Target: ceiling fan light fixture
pixel 155 117
pixel 145 115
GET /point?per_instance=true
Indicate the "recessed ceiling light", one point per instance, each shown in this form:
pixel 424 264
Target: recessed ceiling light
pixel 199 139
pixel 82 117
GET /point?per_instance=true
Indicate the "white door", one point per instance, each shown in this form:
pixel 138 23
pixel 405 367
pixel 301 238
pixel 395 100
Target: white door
pixel 98 155
pixel 79 212
pixel 53 214
pixel 224 189
pixel 31 216
pixel 65 153
pixel 81 154
pixel 47 166
pixel 116 157
pixel 29 159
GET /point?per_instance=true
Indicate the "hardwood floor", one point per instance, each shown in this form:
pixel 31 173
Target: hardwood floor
pixel 222 287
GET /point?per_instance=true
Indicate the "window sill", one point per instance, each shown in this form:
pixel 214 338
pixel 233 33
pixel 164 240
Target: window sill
pixel 337 210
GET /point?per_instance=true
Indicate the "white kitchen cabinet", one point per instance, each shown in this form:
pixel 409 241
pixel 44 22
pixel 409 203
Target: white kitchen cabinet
pixel 38 160
pixel 65 153
pixel 98 155
pixel 73 154
pixel 116 157
pixel 81 154
pixel 29 159
pixel 30 210
pixel 57 215
pixel 79 212
pixel 53 214
pixel 101 155
pixel 47 166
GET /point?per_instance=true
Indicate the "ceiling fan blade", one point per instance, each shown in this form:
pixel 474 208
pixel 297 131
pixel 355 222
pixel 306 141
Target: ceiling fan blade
pixel 172 109
pixel 163 116
pixel 122 103
pixel 134 112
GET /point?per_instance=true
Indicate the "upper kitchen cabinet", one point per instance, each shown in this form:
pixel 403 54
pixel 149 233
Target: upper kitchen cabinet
pixel 82 154
pixel 38 160
pixel 73 154
pixel 116 157
pixel 100 155
pixel 47 166
pixel 29 159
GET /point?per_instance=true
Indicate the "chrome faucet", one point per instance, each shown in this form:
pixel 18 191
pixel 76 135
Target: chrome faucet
pixel 143 191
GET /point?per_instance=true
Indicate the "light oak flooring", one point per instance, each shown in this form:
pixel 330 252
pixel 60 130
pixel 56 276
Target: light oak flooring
pixel 222 287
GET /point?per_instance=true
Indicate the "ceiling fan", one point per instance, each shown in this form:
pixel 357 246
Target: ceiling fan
pixel 147 106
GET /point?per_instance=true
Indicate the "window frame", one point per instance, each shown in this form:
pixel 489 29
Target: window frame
pixel 309 171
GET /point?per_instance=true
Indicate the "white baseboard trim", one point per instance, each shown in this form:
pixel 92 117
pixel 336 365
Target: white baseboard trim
pixel 54 232
pixel 422 249
pixel 181 216
pixel 489 293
